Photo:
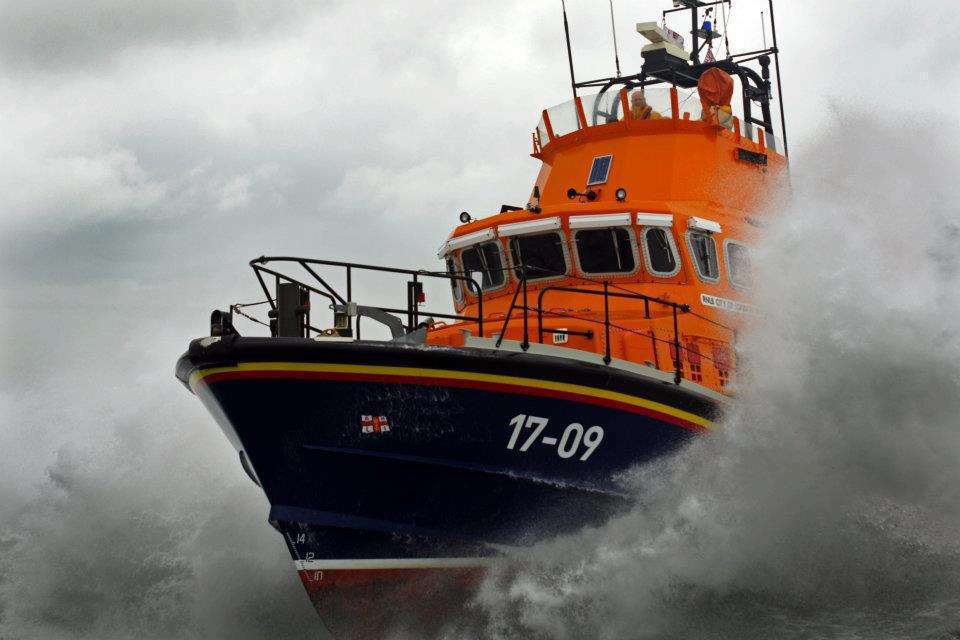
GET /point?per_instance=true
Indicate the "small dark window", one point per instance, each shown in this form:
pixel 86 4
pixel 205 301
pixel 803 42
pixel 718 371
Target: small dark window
pixel 661 258
pixel 605 251
pixel 739 265
pixel 704 251
pixel 454 283
pixel 600 170
pixel 541 253
pixel 485 259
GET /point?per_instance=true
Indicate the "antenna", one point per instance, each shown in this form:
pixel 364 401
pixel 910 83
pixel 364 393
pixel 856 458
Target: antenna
pixel 726 27
pixel 613 27
pixel 566 31
pixel 763 29
pixel 776 59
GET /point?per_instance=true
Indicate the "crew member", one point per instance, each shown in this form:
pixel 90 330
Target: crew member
pixel 639 109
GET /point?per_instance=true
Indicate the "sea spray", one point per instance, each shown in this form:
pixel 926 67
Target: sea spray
pixel 149 531
pixel 826 506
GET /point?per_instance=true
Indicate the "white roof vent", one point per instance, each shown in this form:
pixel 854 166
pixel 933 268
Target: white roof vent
pixel 529 226
pixel 470 238
pixel 600 221
pixel 702 224
pixel 655 219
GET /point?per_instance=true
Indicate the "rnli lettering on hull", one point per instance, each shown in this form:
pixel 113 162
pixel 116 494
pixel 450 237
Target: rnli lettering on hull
pixel 726 304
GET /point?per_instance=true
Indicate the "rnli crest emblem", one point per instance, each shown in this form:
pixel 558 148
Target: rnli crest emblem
pixel 374 424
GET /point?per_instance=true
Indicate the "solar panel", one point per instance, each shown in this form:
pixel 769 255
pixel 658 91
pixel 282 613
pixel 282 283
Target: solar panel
pixel 600 170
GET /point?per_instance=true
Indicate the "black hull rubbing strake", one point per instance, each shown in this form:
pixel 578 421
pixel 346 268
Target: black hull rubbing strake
pixel 388 464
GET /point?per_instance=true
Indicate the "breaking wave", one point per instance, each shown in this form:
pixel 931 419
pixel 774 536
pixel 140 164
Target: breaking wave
pixel 828 505
pixel 148 533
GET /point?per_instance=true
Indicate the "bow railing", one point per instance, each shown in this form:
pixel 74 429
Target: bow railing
pixel 288 319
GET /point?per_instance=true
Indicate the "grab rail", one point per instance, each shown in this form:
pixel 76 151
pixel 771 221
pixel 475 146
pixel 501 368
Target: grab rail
pixel 607 294
pixel 412 310
pixel 519 301
pixel 676 310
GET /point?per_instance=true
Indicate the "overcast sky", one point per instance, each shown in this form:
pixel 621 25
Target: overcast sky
pixel 150 149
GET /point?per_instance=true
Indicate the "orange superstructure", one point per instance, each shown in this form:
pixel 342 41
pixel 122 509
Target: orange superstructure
pixel 665 208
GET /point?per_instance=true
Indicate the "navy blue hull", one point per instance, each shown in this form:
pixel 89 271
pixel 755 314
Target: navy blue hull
pixel 444 466
pixel 406 453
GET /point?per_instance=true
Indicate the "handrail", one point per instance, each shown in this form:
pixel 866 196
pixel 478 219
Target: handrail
pixel 607 358
pixel 509 314
pixel 605 289
pixel 589 334
pixel 413 310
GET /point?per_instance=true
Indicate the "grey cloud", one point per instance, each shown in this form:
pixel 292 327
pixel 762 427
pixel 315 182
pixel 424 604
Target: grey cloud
pixel 54 35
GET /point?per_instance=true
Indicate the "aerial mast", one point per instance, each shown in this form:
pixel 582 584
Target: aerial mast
pixel 566 31
pixel 776 62
pixel 616 50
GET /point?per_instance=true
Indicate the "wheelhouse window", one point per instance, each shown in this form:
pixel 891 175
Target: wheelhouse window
pixel 703 250
pixel 660 252
pixel 739 265
pixel 454 283
pixel 600 170
pixel 541 253
pixel 605 251
pixel 485 260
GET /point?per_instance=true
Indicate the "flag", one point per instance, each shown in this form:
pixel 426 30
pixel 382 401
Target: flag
pixel 374 424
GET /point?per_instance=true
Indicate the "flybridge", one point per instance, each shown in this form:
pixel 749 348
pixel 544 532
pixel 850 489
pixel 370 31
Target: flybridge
pixel 612 106
pixel 666 61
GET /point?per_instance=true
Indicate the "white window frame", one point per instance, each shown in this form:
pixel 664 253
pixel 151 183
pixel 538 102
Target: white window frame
pixel 563 246
pixel 503 262
pixel 671 241
pixel 631 237
pixel 457 285
pixel 693 256
pixel 729 263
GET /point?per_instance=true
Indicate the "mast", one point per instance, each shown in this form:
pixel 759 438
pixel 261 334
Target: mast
pixel 776 61
pixel 616 50
pixel 566 31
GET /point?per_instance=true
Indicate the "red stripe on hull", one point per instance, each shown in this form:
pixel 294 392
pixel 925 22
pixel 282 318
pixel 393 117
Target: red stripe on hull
pixel 366 604
pixel 456 383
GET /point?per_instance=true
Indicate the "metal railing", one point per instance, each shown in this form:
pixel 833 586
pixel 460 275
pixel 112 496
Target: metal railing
pixel 413 310
pixel 675 309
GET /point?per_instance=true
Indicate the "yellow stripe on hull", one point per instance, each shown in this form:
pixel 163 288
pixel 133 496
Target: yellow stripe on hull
pixel 417 372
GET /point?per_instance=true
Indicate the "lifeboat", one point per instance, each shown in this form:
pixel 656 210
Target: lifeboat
pixel 591 331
